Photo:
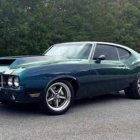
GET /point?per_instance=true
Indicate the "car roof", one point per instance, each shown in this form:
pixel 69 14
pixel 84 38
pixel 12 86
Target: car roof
pixel 92 42
pixel 97 42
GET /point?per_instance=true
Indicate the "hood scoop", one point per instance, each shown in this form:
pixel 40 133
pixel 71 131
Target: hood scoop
pixel 6 62
pixel 23 61
pixel 34 60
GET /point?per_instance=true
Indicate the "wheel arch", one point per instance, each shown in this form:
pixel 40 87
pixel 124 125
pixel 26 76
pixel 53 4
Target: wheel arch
pixel 72 80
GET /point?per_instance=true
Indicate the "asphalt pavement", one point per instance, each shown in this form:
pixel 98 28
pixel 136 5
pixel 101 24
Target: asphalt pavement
pixel 110 117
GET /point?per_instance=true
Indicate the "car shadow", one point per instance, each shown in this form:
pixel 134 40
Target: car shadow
pixel 33 109
pixel 20 108
pixel 100 99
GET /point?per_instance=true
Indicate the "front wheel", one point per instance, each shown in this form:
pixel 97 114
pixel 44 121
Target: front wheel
pixel 133 91
pixel 58 98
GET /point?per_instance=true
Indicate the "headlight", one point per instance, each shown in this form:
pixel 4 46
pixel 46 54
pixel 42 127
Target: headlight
pixel 10 81
pixel 13 81
pixel 16 82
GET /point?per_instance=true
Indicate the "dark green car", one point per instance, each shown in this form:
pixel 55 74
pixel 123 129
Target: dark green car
pixel 70 71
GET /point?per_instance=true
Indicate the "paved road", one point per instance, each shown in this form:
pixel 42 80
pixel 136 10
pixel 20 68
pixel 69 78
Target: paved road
pixel 111 117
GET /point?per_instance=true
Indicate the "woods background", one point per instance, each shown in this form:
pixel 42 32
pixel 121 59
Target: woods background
pixel 30 26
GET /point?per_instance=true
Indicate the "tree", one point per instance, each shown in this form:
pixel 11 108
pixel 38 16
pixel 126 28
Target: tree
pixel 30 27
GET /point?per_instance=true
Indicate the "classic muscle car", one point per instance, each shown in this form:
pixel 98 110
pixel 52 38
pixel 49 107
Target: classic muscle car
pixel 70 71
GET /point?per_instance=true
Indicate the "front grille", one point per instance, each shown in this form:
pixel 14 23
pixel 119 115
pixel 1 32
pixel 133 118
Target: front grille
pixel 3 80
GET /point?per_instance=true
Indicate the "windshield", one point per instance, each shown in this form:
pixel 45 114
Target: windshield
pixel 71 51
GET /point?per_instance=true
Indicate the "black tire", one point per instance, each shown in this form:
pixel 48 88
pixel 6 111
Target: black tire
pixel 133 91
pixel 5 102
pixel 47 108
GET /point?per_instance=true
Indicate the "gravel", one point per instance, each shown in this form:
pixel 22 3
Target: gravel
pixel 110 117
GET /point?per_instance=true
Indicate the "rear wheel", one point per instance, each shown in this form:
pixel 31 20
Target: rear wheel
pixel 133 91
pixel 58 98
pixel 5 102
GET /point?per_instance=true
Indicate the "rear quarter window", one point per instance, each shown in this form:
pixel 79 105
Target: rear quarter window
pixel 123 54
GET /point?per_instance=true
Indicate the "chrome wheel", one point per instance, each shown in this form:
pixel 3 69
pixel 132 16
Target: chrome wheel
pixel 138 85
pixel 133 91
pixel 58 96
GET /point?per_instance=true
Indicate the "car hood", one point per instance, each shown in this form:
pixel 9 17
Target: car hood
pixel 28 61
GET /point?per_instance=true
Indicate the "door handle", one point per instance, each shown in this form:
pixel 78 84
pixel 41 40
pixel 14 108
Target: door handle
pixel 122 66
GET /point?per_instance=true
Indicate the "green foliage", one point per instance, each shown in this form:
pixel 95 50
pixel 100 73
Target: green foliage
pixel 31 26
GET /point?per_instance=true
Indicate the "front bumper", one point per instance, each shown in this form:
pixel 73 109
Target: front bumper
pixel 17 95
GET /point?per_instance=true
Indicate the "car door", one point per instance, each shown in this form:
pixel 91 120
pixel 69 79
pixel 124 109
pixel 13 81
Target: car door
pixel 107 75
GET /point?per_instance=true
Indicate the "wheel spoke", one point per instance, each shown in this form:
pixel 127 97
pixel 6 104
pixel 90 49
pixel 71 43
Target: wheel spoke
pixel 50 99
pixel 52 91
pixel 60 90
pixel 57 103
pixel 62 93
pixel 62 97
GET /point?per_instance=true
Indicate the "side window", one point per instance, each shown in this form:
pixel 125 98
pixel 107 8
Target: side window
pixel 109 51
pixel 85 52
pixel 124 54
